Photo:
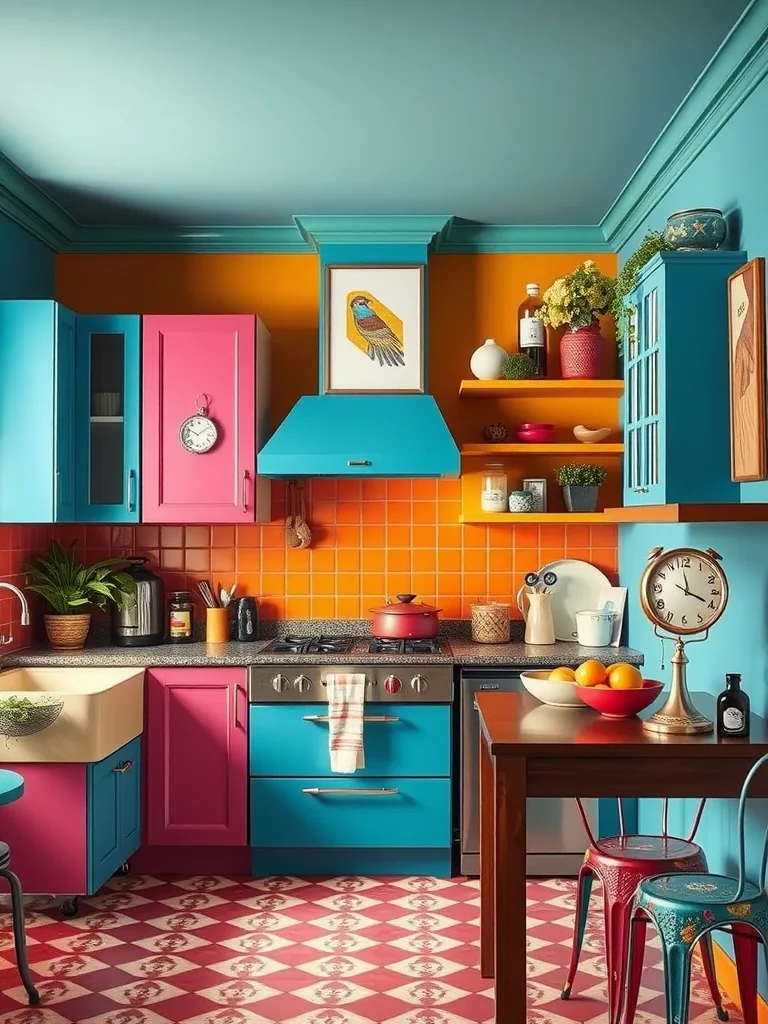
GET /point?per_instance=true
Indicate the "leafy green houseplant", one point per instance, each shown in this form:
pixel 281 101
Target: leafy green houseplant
pixel 517 367
pixel 626 282
pixel 581 482
pixel 575 302
pixel 70 589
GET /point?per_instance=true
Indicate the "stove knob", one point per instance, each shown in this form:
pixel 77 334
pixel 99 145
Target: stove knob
pixel 392 684
pixel 419 684
pixel 279 684
pixel 302 683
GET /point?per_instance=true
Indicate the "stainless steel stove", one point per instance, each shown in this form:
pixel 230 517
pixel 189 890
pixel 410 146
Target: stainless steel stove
pixel 394 670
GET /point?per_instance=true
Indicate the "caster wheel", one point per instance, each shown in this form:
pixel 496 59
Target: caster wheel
pixel 124 869
pixel 69 907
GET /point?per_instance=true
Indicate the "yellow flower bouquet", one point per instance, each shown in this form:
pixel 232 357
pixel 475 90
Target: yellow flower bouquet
pixel 578 298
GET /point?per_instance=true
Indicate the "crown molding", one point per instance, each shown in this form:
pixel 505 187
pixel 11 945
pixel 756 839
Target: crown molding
pixel 399 229
pixel 466 237
pixel 273 239
pixel 736 69
pixel 25 203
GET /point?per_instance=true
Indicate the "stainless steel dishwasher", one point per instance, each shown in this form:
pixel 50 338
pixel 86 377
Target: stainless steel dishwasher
pixel 556 840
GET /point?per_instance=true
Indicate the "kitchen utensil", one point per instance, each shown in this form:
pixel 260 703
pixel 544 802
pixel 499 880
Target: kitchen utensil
pixel 539 627
pixel 550 691
pixel 579 587
pixel 490 623
pixel 620 703
pixel 216 625
pixel 223 597
pixel 587 436
pixel 594 628
pixel 206 592
pixel 300 522
pixel 247 619
pixel 141 622
pixel 536 433
pixel 405 620
pixel 292 538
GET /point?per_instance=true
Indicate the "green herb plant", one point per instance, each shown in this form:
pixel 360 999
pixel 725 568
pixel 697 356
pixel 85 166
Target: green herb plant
pixel 626 282
pixel 517 367
pixel 70 587
pixel 581 474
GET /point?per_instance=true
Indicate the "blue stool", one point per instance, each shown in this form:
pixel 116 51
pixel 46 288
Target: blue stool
pixel 11 788
pixel 685 908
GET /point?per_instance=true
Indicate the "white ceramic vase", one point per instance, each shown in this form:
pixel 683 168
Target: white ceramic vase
pixel 487 361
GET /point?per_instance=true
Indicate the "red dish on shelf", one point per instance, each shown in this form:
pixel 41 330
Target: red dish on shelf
pixel 620 703
pixel 535 433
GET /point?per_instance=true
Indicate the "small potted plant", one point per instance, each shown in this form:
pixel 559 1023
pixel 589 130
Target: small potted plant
pixel 576 301
pixel 70 589
pixel 581 482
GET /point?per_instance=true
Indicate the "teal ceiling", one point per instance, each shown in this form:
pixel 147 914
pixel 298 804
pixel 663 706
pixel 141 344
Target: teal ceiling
pixel 247 111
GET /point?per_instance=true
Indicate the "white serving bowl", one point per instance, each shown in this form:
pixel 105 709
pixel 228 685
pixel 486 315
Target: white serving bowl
pixel 549 691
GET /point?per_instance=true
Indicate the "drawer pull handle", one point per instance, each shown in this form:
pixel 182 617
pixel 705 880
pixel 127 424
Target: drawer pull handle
pixel 123 767
pixel 350 792
pixel 366 718
pixel 359 462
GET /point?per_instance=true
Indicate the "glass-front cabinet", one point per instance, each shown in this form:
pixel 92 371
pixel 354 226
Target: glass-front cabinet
pixel 108 418
pixel 676 376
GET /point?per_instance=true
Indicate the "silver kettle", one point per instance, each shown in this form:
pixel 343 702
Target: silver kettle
pixel 141 623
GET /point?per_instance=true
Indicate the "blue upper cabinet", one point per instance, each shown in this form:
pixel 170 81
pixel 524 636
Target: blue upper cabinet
pixel 107 419
pixel 676 399
pixel 37 411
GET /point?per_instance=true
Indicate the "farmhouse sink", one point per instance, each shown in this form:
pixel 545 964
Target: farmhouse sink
pixel 103 709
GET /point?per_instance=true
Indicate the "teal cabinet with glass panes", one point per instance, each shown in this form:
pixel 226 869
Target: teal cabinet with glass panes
pixel 676 376
pixel 107 418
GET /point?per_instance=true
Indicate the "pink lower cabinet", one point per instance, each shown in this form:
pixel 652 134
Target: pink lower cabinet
pixel 197 764
pixel 213 368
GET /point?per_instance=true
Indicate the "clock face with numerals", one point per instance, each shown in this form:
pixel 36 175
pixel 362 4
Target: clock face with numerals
pixel 198 434
pixel 684 590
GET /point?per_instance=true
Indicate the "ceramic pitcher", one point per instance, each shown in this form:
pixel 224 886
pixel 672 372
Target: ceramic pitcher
pixel 539 626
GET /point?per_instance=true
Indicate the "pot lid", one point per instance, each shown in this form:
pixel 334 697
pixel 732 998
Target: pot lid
pixel 404 605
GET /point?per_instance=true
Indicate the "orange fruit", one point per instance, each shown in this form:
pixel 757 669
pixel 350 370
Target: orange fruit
pixel 602 686
pixel 590 673
pixel 562 675
pixel 624 677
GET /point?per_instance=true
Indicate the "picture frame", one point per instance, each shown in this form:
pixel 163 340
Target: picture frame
pixel 614 599
pixel 374 329
pixel 746 363
pixel 538 488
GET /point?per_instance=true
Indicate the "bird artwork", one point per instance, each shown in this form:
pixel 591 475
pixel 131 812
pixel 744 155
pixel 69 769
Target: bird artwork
pixel 373 335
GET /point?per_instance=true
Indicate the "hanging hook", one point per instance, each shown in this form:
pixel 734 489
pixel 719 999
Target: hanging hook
pixel 204 405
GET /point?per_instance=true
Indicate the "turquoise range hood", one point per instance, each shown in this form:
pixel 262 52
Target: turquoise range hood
pixel 361 435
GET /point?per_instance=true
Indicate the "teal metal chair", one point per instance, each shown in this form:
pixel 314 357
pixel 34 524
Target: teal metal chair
pixel 686 908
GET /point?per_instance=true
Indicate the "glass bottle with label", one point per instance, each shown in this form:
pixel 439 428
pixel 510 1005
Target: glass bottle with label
pixel 181 618
pixel 733 708
pixel 493 496
pixel 532 334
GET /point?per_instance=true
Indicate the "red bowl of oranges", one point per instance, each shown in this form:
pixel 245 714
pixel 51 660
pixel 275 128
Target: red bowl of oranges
pixel 616 691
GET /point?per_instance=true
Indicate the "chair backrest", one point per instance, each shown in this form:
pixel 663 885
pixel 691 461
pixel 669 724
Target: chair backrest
pixel 743 880
pixel 595 843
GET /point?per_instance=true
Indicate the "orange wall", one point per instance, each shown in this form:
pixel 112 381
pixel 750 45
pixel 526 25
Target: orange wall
pixel 373 538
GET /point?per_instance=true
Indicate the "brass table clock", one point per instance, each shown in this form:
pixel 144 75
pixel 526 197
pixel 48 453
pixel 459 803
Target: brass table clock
pixel 683 592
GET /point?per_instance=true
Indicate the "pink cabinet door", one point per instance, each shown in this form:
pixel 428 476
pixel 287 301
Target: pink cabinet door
pixel 208 361
pixel 197 767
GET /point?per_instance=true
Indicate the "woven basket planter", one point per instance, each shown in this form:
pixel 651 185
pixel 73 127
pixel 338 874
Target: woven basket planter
pixel 28 716
pixel 67 632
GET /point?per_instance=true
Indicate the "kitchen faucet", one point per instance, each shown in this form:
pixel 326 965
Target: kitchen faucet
pixel 24 609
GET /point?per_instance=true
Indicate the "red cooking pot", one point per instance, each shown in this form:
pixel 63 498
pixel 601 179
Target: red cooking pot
pixel 404 620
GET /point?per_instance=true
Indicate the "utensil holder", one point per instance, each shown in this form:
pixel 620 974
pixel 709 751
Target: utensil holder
pixel 490 623
pixel 216 625
pixel 539 625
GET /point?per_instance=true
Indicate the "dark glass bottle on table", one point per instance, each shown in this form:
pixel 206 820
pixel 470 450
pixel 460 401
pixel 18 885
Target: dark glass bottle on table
pixel 733 709
pixel 532 334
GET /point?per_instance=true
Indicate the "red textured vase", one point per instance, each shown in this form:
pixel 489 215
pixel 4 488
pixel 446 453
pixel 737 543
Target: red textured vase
pixel 581 352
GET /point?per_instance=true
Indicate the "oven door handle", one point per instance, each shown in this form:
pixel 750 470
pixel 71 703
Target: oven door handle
pixel 366 718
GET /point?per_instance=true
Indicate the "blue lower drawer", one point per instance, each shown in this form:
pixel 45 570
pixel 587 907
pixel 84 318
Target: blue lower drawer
pixel 362 812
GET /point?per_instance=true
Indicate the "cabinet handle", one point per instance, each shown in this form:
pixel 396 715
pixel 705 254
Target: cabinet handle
pixel 245 490
pixel 58 487
pixel 131 490
pixel 366 718
pixel 123 767
pixel 359 462
pixel 316 791
pixel 235 692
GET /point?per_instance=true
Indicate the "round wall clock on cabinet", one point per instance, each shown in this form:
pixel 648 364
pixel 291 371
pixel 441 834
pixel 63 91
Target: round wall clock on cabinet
pixel 683 592
pixel 198 433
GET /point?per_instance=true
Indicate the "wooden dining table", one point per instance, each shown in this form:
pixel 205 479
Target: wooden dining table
pixel 528 749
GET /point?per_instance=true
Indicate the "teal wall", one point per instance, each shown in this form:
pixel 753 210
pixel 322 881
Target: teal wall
pixel 27 265
pixel 729 174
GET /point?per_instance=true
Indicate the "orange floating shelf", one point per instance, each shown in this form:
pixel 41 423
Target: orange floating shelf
pixel 509 518
pixel 541 388
pixel 721 513
pixel 596 450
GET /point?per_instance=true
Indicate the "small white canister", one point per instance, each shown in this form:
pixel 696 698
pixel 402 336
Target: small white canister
pixel 594 628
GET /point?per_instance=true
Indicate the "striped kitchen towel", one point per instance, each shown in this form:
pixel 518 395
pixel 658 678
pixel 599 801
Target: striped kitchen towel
pixel 346 697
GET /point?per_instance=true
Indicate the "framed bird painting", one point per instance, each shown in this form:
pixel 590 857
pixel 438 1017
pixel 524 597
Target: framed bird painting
pixel 374 329
pixel 746 342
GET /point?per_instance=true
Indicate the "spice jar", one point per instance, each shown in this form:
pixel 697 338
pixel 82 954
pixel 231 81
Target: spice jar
pixel 181 618
pixel 493 496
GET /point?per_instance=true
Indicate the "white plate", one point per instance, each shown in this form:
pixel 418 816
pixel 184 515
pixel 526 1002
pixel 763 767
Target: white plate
pixel 578 589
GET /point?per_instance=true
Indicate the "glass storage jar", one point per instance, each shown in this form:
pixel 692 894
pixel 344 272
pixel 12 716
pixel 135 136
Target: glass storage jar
pixel 181 618
pixel 493 496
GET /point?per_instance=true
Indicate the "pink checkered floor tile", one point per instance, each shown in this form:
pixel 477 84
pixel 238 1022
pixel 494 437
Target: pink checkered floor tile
pixel 350 950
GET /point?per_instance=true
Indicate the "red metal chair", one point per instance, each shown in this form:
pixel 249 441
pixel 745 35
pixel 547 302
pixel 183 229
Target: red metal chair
pixel 620 863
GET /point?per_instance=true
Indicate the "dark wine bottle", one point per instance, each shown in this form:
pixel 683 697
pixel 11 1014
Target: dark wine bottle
pixel 733 708
pixel 532 334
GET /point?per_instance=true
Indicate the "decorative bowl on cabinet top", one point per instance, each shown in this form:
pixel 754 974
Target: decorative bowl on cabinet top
pixel 695 230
